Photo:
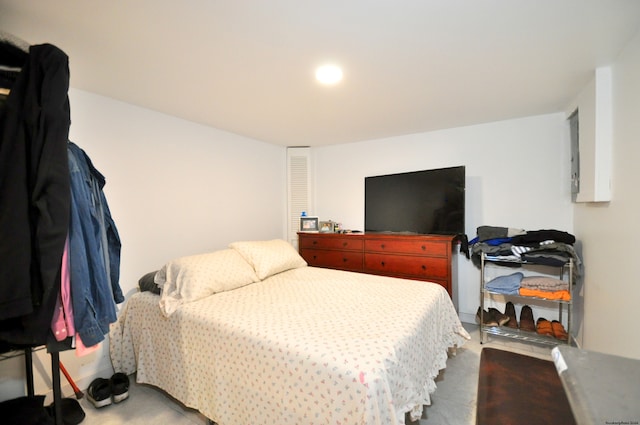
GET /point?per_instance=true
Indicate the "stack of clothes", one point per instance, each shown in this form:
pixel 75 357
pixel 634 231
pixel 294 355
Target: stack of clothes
pixel 545 287
pixel 530 286
pixel 507 284
pixel 508 246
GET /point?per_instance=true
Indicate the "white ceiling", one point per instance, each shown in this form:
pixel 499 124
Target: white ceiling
pixel 246 66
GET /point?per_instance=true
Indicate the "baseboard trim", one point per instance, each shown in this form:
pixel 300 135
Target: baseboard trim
pixel 468 318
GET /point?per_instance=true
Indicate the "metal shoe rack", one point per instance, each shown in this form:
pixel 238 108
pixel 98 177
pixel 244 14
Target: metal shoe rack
pixel 566 272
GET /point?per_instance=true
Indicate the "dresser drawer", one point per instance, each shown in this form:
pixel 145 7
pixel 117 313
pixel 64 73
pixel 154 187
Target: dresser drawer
pixel 343 260
pixel 421 247
pixel 407 265
pixel 418 257
pixel 345 243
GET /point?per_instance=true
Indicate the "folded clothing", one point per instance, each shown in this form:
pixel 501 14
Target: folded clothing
pixel 493 232
pixel 555 295
pixel 534 236
pixel 507 284
pixel 544 283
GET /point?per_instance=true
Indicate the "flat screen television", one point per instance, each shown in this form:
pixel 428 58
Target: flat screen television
pixel 423 202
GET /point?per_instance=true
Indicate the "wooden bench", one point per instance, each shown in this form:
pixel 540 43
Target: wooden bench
pixel 518 389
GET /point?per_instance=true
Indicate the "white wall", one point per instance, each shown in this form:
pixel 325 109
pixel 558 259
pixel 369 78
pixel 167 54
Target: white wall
pixel 610 230
pixel 517 176
pixel 174 188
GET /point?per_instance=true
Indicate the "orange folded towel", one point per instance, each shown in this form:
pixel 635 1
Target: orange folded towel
pixel 550 295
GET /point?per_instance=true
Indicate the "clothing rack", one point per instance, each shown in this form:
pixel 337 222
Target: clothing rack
pixel 40 72
pixel 14 51
pixel 55 377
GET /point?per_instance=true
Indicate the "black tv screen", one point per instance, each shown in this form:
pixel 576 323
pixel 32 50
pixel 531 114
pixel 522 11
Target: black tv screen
pixel 423 202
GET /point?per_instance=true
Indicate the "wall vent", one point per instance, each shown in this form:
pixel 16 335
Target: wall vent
pixel 298 189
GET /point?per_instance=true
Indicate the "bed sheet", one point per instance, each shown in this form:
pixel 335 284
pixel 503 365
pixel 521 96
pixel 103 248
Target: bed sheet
pixel 306 346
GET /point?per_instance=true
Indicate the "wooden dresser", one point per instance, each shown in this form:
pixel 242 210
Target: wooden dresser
pixel 419 257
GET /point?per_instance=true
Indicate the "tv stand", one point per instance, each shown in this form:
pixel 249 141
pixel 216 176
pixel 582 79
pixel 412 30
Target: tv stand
pixel 410 256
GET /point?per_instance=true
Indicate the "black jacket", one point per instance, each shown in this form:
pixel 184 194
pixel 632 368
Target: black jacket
pixel 34 194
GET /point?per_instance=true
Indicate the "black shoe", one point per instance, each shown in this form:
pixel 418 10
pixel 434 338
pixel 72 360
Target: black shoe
pixel 119 387
pixel 99 392
pixel 499 317
pixel 488 319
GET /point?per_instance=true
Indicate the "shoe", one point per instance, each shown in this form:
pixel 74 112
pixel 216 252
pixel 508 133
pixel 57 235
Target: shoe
pixel 526 319
pixel 488 318
pixel 558 331
pixel 502 319
pixel 510 311
pixel 119 387
pixel 543 327
pixel 99 392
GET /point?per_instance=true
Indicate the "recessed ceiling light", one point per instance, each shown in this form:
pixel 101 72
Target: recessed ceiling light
pixel 329 74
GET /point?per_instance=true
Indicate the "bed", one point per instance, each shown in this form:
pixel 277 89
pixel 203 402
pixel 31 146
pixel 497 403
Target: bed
pixel 295 345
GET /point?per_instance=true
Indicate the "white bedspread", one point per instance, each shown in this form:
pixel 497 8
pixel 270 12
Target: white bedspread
pixel 306 346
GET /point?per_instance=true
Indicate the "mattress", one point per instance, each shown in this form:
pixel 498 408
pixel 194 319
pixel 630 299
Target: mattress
pixel 305 346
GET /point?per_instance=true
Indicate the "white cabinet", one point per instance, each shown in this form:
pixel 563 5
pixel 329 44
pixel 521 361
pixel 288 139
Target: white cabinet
pixel 592 139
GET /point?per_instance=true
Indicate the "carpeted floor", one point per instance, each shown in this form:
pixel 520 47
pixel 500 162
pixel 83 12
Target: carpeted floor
pixel 454 402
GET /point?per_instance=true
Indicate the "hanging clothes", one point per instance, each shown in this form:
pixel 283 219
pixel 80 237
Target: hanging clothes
pixel 62 324
pixel 94 251
pixel 35 204
pixel 34 193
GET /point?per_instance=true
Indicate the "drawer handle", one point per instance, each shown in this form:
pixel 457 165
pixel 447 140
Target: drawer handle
pixel 382 263
pixel 381 246
pixel 315 242
pixel 315 258
pixel 344 260
pixel 344 244
pixel 424 248
pixel 424 267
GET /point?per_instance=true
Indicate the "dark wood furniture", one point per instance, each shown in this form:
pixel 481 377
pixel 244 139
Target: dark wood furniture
pixel 518 389
pixel 419 257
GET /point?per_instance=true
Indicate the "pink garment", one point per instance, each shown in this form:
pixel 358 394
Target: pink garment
pixel 62 324
pixel 81 350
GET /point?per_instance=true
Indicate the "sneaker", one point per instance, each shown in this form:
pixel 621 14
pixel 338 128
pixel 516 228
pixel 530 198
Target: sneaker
pixel 119 387
pixel 488 318
pixel 99 392
pixel 498 316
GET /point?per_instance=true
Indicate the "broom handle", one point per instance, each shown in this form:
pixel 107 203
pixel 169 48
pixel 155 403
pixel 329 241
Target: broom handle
pixel 79 393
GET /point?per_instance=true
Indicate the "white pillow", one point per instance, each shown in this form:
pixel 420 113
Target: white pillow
pixel 269 257
pixel 191 278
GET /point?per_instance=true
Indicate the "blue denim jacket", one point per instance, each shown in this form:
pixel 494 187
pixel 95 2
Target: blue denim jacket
pixel 94 251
